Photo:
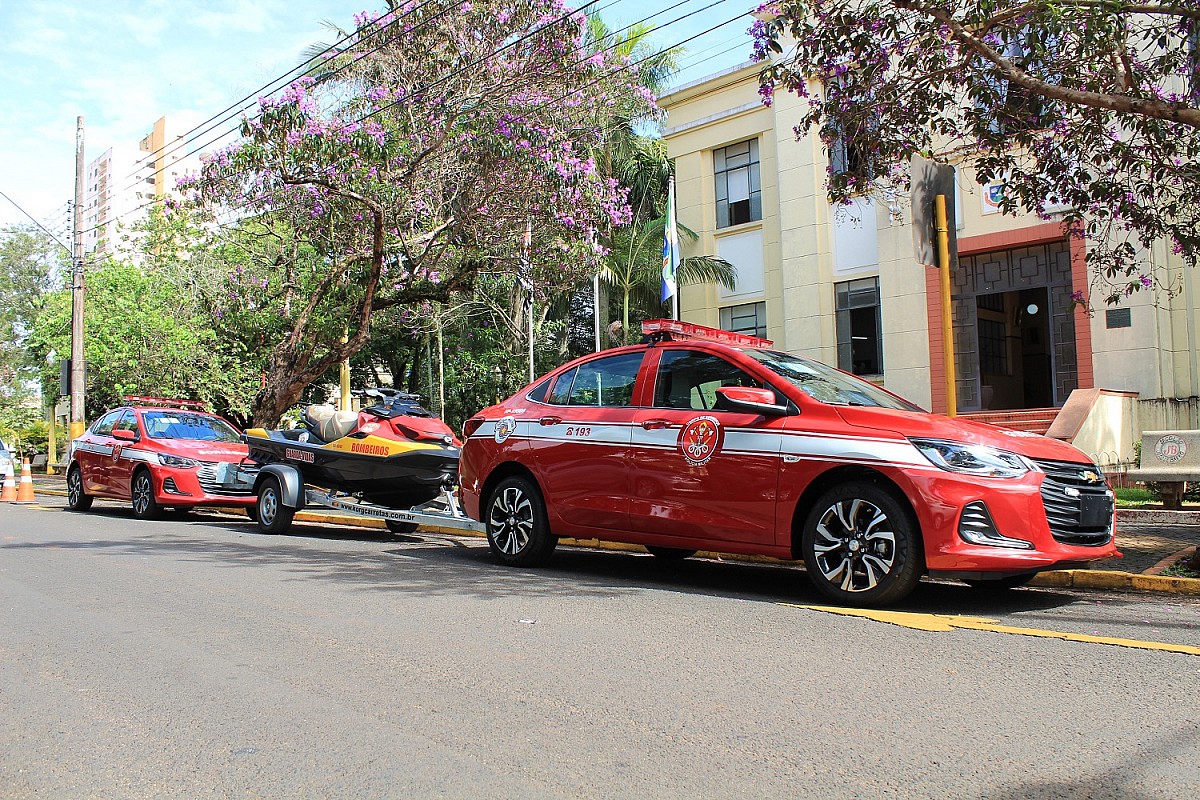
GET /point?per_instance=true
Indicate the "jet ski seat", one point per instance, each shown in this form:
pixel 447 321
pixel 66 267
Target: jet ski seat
pixel 328 422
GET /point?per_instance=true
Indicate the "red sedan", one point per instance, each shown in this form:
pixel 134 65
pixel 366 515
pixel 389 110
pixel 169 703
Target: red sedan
pixel 705 440
pixel 160 454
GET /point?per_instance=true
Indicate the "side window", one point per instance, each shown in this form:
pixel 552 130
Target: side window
pixel 561 393
pixel 606 381
pixel 690 379
pixel 104 425
pixel 128 422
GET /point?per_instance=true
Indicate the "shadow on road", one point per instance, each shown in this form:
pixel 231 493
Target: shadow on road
pixel 434 563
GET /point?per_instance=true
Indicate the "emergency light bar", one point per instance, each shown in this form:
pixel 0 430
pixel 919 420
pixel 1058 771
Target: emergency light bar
pixel 676 330
pixel 165 402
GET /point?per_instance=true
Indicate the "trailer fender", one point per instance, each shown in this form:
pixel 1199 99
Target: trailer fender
pixel 291 483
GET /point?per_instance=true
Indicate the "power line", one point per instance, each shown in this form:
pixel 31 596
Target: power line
pixel 35 222
pixel 460 70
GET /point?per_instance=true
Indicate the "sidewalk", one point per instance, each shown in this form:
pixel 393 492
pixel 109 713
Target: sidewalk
pixel 1150 540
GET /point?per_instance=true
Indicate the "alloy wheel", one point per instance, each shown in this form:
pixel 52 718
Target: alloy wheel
pixel 511 520
pixel 855 545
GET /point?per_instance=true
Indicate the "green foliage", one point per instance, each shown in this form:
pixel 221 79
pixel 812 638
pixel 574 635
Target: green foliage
pixel 141 337
pixel 31 265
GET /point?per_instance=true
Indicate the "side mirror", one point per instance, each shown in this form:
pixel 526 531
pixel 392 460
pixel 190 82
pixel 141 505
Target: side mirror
pixel 124 435
pixel 749 400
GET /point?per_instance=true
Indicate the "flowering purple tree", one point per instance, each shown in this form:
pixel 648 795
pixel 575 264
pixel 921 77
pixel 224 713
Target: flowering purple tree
pixel 410 166
pixel 1087 109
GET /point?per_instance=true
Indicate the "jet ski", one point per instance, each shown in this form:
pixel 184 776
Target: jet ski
pixel 392 453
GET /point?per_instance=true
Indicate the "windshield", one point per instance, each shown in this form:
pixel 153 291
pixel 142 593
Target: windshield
pixel 184 425
pixel 827 384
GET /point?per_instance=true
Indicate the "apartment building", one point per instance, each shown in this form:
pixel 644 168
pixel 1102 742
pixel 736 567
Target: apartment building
pixel 122 182
pixel 843 284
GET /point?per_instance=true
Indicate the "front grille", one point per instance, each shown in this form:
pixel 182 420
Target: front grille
pixel 207 477
pixel 1078 503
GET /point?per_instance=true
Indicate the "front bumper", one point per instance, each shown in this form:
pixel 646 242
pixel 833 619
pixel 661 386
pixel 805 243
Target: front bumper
pixel 1064 524
pixel 210 484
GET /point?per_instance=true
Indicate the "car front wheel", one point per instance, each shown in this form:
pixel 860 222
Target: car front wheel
pixel 518 532
pixel 142 496
pixel 861 547
pixel 77 498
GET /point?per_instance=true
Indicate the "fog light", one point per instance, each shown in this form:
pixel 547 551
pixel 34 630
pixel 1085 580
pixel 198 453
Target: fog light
pixel 977 527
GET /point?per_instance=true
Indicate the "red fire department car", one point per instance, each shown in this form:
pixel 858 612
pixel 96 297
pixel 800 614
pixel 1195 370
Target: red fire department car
pixel 701 439
pixel 159 453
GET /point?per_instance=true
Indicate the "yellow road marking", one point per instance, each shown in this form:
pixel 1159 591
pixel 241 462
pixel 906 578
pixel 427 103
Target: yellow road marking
pixel 949 622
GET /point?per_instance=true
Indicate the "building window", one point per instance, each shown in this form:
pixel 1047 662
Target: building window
pixel 849 152
pixel 748 318
pixel 739 186
pixel 860 343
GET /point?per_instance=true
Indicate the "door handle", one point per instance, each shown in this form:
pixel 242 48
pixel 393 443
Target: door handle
pixel 549 420
pixel 655 424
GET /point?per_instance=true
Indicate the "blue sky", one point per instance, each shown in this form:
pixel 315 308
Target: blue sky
pixel 122 64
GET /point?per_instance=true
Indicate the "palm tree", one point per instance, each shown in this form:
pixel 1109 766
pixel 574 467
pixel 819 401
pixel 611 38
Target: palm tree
pixel 633 266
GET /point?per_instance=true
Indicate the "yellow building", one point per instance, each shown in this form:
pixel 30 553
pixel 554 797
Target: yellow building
pixel 842 284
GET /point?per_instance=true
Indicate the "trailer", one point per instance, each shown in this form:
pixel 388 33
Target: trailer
pixel 281 492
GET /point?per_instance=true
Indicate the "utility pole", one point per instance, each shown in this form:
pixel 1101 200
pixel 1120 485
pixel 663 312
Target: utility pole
pixel 77 371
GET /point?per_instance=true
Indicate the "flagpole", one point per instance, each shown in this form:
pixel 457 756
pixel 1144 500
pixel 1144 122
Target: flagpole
pixel 670 268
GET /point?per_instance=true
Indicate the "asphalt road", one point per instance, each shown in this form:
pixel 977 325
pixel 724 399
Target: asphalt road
pixel 196 658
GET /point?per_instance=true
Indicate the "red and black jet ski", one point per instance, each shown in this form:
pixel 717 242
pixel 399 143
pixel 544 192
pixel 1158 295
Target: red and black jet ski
pixel 393 453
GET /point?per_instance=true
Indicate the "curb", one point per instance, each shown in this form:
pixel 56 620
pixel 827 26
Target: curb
pixel 1157 516
pixel 1056 579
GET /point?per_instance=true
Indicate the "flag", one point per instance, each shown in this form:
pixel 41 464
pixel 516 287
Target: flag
pixel 670 265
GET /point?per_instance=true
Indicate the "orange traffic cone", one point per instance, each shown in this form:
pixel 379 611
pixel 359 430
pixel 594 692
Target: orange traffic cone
pixel 25 488
pixel 10 487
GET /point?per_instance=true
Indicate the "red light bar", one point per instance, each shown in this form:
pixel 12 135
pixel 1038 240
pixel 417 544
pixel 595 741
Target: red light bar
pixel 677 330
pixel 165 402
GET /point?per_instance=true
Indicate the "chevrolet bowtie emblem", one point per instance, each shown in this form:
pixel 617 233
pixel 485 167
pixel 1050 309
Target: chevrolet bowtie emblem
pixel 1090 477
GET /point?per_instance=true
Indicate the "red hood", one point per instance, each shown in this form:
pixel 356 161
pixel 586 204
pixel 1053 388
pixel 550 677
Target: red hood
pixel 934 426
pixel 205 451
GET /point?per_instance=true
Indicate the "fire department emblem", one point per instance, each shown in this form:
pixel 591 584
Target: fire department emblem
pixel 505 428
pixel 700 440
pixel 1170 448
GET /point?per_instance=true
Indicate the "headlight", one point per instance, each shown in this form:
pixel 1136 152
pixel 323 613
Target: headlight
pixel 176 461
pixel 973 459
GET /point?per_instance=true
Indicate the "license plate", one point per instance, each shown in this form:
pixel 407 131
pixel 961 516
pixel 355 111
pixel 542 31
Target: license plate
pixel 1095 510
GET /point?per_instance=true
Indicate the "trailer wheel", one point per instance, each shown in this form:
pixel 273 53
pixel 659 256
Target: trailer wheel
pixel 273 515
pixel 401 527
pixel 518 532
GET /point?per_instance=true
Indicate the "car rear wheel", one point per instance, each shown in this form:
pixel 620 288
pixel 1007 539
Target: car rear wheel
pixel 142 496
pixel 861 546
pixel 669 553
pixel 518 532
pixel 1001 584
pixel 272 515
pixel 77 499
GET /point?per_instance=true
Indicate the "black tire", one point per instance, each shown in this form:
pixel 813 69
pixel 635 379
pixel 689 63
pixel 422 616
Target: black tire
pixel 77 498
pixel 401 527
pixel 252 512
pixel 518 532
pixel 1000 584
pixel 669 553
pixel 861 547
pixel 272 515
pixel 141 496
